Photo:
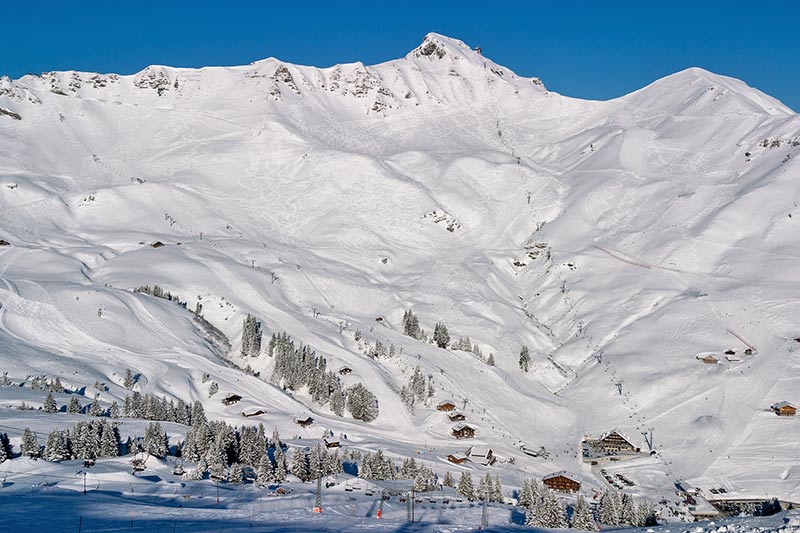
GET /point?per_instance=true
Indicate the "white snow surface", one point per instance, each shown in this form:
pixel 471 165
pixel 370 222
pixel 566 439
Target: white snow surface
pixel 617 239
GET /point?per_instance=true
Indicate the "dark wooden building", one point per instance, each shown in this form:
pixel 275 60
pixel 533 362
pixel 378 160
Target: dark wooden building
pixel 562 481
pixel 305 421
pixel 456 417
pixel 463 431
pixel 784 409
pixel 614 442
pixel 446 405
pixel 231 399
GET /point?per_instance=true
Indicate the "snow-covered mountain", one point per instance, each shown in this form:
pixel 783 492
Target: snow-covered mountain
pixel 617 239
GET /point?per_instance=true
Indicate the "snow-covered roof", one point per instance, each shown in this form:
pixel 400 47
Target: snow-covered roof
pixel 459 427
pixel 618 432
pixel 780 405
pixel 480 451
pixel 458 456
pixel 562 473
pixel 445 402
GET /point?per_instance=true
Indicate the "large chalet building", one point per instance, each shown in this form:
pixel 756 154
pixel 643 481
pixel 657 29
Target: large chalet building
pixel 562 481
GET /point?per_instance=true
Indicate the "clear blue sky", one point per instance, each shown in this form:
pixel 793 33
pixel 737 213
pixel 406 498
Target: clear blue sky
pixel 599 49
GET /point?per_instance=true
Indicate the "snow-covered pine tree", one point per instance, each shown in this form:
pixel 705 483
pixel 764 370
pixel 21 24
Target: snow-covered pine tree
pixel 130 379
pixel 281 467
pixel 490 360
pixel 5 447
pixel 646 515
pixel 251 337
pixel 30 446
pixel 448 480
pixel 497 496
pixel 550 512
pixel 465 486
pixel 361 403
pixel 236 474
pixel 628 515
pixel 582 518
pixel 440 335
pixel 263 472
pixel 525 495
pixel 95 409
pixel 486 487
pixel 411 324
pixel 155 440
pixel 74 405
pixel 299 467
pixel 56 448
pixel 115 410
pixel 217 465
pixel 524 359
pixel 50 404
pixel 610 509
pixel 109 440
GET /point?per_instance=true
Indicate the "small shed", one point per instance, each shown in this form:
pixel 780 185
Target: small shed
pixel 463 431
pixel 457 458
pixel 253 411
pixel 345 370
pixel 158 244
pixel 562 481
pixel 784 409
pixel 231 399
pixel 304 421
pixel 456 417
pixel 331 443
pixel 4 242
pixel 708 359
pixel 446 405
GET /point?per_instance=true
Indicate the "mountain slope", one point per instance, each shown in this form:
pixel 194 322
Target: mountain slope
pixel 617 239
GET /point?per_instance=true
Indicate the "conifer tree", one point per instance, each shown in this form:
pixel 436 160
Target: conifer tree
pixel 490 360
pixel 299 466
pixel 498 490
pixel 236 474
pixel 411 324
pixel 582 518
pixel 155 440
pixel 50 404
pixel 628 513
pixel 74 405
pixel 466 487
pixel 448 480
pixel 109 441
pixel 30 446
pixel 95 409
pixel 362 404
pixel 440 335
pixel 280 466
pixel 524 359
pixel 263 472
pixel 56 448
pixel 6 451
pixel 130 379
pixel 486 488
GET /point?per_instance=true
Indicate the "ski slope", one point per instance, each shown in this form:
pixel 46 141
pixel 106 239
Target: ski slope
pixel 617 239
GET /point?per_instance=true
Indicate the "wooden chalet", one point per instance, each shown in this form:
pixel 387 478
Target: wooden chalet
pixel 231 399
pixel 457 458
pixel 481 455
pixel 446 405
pixel 614 442
pixel 331 443
pixel 253 411
pixel 562 481
pixel 304 422
pixel 463 431
pixel 708 359
pixel 784 409
pixel 456 417
pixel 158 244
